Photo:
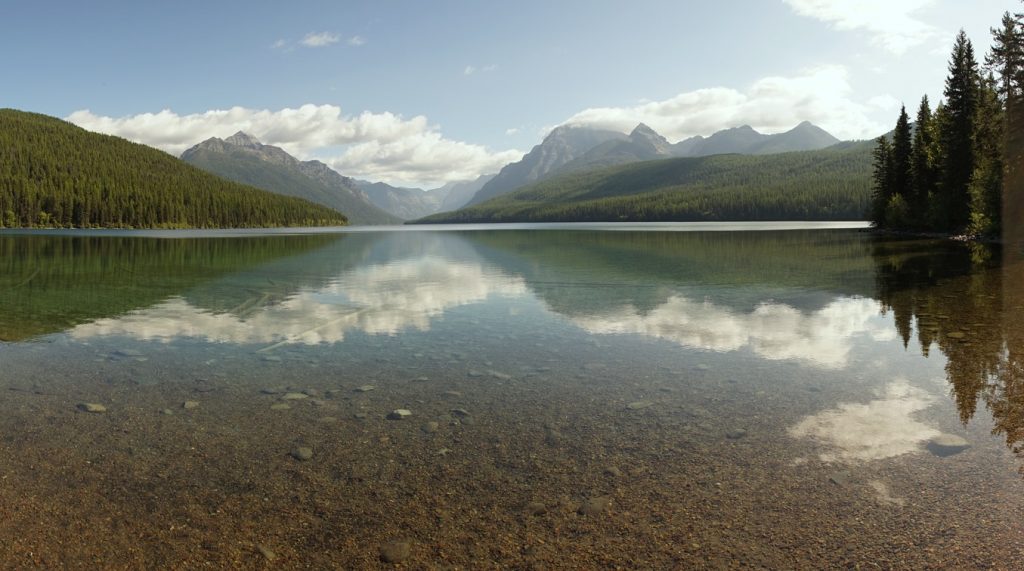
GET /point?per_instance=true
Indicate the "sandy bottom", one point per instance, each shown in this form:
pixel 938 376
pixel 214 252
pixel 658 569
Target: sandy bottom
pixel 552 468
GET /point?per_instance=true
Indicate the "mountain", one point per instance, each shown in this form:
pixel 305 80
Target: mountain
pixel 562 145
pixel 405 203
pixel 458 194
pixel 827 184
pixel 642 144
pixel 747 141
pixel 576 148
pixel 242 158
pixel 55 174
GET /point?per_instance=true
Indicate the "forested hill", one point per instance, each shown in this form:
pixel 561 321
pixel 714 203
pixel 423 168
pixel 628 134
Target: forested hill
pixel 828 184
pixel 54 174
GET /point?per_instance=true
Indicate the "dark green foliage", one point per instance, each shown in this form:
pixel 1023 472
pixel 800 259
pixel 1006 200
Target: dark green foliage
pixel 881 180
pixel 950 175
pixel 986 184
pixel 901 155
pixel 55 174
pixel 956 135
pixel 922 162
pixel 830 184
pixel 1006 57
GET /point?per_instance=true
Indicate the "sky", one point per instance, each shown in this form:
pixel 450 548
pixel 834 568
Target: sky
pixel 418 93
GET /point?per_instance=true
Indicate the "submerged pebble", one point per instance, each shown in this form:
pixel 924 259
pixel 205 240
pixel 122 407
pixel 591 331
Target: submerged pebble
pixel 639 405
pixel 91 407
pixel 612 471
pixel 430 427
pixel 395 551
pixel 280 406
pixel 266 553
pixel 947 445
pixel 399 414
pixel 294 396
pixel 536 508
pixel 190 404
pixel 594 506
pixel 365 388
pixel 302 453
pixel 736 434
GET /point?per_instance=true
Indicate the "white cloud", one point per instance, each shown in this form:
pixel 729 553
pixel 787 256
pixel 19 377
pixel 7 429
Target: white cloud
pixel 320 39
pixel 356 41
pixel 386 299
pixel 380 146
pixel 891 23
pixel 882 428
pixel 425 157
pixel 822 95
pixel 512 131
pixel 773 331
pixel 471 69
pixel 279 44
pixel 885 102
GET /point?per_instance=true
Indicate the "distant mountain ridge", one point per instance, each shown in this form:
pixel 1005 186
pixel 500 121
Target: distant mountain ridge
pixel 573 148
pixel 826 184
pixel 406 203
pixel 243 158
pixel 413 203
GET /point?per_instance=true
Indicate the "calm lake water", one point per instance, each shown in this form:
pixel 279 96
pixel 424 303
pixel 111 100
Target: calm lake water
pixel 581 396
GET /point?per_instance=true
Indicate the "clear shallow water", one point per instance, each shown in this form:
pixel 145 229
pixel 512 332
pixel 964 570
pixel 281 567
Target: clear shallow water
pixel 642 399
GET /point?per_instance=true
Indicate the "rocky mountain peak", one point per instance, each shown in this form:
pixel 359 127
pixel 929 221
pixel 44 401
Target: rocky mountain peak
pixel 243 139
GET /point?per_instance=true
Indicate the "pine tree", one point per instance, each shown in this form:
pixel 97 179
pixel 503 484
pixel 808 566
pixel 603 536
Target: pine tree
pixel 956 137
pixel 901 155
pixel 882 186
pixel 987 179
pixel 922 164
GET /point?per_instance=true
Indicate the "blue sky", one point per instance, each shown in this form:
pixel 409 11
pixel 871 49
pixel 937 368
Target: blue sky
pixel 425 92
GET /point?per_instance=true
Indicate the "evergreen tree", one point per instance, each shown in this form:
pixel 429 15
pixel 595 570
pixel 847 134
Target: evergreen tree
pixel 901 155
pixel 922 164
pixel 882 186
pixel 1006 57
pixel 956 137
pixel 987 179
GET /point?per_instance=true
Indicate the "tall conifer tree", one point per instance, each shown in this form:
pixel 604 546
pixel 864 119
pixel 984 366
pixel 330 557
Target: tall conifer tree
pixel 922 163
pixel 957 136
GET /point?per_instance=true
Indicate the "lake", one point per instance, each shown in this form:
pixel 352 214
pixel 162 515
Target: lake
pixel 534 397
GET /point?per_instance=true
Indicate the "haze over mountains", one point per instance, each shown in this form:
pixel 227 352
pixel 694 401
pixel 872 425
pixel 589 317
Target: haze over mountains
pixel 570 148
pixel 413 203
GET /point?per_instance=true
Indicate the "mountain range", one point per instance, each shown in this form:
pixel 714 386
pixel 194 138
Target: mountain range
pixel 826 184
pixel 571 148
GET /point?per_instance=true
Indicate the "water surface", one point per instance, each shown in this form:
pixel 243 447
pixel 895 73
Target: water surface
pixel 643 398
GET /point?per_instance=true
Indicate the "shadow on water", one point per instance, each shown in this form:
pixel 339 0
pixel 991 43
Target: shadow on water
pixel 966 301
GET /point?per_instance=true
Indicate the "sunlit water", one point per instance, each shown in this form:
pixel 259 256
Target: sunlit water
pixel 658 396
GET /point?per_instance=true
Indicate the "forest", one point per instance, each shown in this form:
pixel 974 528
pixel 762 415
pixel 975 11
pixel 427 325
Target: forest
pixel 56 175
pixel 947 171
pixel 830 184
